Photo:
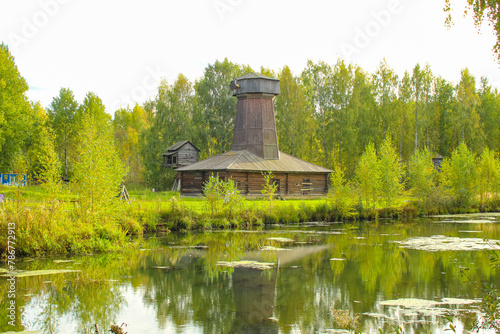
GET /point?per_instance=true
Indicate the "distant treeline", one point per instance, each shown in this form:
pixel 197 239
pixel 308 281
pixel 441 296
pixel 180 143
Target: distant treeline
pixel 328 114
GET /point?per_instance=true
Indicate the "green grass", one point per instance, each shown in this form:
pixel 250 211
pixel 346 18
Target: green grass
pixel 47 227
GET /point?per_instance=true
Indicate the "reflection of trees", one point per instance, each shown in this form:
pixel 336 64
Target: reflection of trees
pixel 193 291
pixel 184 293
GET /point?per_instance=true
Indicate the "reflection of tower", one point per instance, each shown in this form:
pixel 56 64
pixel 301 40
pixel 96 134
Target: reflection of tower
pixel 254 298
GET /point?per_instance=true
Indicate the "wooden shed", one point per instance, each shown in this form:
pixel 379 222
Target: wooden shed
pixel 182 153
pixel 255 149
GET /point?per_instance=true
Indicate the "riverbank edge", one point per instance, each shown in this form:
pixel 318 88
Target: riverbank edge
pixel 48 231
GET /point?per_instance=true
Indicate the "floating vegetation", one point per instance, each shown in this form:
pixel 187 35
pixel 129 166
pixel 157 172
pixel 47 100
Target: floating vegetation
pixel 459 301
pixel 281 239
pixel 189 247
pixel 410 303
pixel 246 264
pixel 487 215
pixel 274 249
pixel 413 307
pixel 437 243
pixel 40 272
pixel 470 221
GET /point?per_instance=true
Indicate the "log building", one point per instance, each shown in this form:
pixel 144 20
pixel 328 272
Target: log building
pixel 255 149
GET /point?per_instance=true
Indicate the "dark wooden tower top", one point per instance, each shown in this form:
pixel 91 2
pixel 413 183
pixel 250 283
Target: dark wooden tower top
pixel 255 125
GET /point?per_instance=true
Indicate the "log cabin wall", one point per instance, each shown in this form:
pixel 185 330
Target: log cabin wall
pixel 187 155
pixel 251 183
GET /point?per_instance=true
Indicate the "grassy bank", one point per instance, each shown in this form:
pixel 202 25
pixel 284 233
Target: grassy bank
pixel 44 227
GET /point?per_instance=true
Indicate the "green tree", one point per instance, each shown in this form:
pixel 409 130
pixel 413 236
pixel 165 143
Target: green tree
pixel 340 194
pixel 489 115
pixel 421 173
pixel 269 189
pixel 368 175
pixel 466 119
pixel 38 149
pixel 128 126
pixel 421 82
pixel 362 118
pixel 385 83
pixel 15 112
pixel 404 108
pixel 459 175
pixel 172 122
pixel 391 171
pixel 293 117
pixel 444 104
pixel 488 176
pixel 319 95
pixel 217 106
pixel 62 113
pixel 213 189
pixel 343 122
pixel 98 170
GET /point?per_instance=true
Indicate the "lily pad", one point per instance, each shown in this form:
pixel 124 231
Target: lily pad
pixel 246 264
pixel 442 243
pixel 40 272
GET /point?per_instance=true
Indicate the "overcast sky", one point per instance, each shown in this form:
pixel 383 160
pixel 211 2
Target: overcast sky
pixel 121 49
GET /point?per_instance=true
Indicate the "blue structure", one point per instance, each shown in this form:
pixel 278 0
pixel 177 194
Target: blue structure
pixel 13 180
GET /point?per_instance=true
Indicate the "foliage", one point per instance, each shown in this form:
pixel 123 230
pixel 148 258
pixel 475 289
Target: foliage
pixel 368 175
pixel 213 190
pixel 459 175
pixel 421 174
pixel 15 112
pixel 62 113
pixel 98 170
pixel 216 106
pixel 233 201
pixel 488 176
pixel 128 125
pixel 340 194
pixel 391 172
pixel 222 196
pixel 269 189
pixel 173 115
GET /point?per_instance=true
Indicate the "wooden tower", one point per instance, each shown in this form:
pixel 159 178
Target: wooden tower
pixel 255 124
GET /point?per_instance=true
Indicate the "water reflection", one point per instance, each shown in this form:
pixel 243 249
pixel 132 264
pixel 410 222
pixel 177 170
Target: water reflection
pixel 254 299
pixel 175 285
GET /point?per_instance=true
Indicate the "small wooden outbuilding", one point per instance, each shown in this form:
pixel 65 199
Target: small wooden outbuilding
pixel 255 149
pixel 182 153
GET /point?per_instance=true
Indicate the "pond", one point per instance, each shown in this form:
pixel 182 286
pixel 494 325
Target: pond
pixel 308 278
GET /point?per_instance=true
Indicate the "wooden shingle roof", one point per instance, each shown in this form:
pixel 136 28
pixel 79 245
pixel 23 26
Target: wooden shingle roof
pixel 178 145
pixel 246 161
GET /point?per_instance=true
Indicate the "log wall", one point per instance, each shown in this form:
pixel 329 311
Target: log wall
pixel 251 183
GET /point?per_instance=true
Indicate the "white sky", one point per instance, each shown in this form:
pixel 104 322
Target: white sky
pixel 121 49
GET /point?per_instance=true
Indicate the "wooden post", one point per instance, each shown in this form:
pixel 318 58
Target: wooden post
pixel 248 183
